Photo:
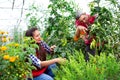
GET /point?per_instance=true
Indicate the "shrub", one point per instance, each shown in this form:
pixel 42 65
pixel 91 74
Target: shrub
pixel 98 68
pixel 15 65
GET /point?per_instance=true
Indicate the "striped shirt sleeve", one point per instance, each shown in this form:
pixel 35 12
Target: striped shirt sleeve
pixel 45 46
pixel 35 60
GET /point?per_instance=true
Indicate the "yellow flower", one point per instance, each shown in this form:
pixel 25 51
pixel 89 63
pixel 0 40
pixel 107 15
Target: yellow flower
pixel 12 59
pixel 3 48
pixel 2 32
pixel 6 32
pixel 8 38
pixel 16 45
pixel 4 39
pixel 17 57
pixel 3 36
pixel 11 67
pixel 5 57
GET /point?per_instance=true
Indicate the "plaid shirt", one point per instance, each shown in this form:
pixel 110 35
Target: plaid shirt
pixel 34 59
pixel 45 46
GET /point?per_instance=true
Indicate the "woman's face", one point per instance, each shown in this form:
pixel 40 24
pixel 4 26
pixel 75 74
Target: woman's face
pixel 36 36
pixel 84 18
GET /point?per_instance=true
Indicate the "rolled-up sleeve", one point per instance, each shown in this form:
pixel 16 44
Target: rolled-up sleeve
pixel 45 46
pixel 35 60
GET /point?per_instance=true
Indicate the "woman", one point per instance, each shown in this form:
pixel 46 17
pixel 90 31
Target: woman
pixel 83 22
pixel 43 66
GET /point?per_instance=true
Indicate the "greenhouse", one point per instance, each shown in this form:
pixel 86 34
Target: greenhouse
pixel 60 40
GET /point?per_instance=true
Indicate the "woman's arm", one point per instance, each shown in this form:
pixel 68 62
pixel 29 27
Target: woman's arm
pixel 40 64
pixel 52 61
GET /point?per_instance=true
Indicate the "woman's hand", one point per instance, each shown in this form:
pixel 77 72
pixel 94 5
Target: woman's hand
pixel 60 60
pixel 52 47
pixel 82 28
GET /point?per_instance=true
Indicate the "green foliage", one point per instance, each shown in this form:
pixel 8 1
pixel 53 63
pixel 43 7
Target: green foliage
pixel 32 16
pixel 17 35
pixel 60 28
pixel 98 68
pixel 106 27
pixel 61 14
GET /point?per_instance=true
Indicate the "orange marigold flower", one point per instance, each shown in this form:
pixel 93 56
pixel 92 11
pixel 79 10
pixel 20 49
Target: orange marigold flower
pixel 12 59
pixel 3 48
pixel 5 57
pixel 2 32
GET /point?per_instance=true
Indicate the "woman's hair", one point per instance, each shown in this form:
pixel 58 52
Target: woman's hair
pixel 42 55
pixel 29 33
pixel 78 14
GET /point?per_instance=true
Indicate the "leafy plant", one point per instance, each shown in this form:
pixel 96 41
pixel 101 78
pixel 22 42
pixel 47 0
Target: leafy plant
pixel 106 26
pixel 32 16
pixel 15 63
pixel 4 38
pixel 60 27
pixel 98 68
